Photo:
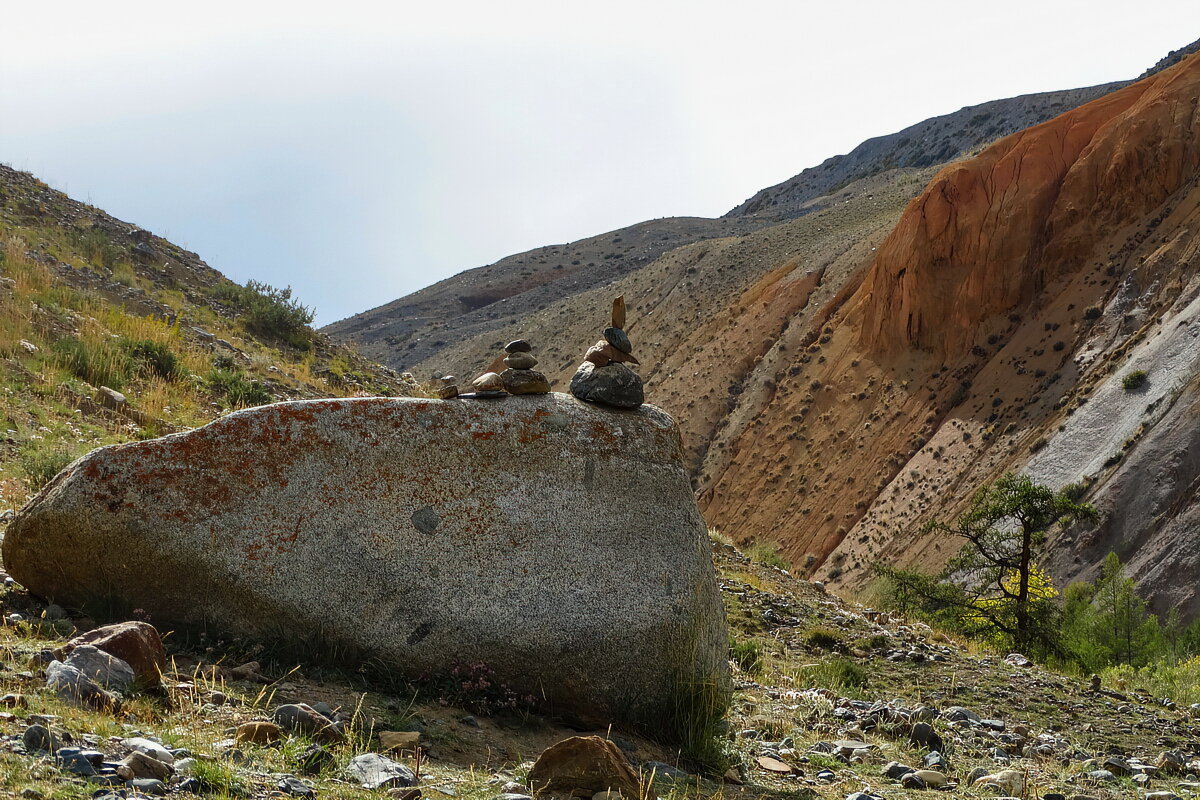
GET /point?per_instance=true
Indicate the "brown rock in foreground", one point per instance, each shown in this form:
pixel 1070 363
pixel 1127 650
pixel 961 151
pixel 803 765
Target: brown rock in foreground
pixel 556 542
pixel 585 765
pixel 136 643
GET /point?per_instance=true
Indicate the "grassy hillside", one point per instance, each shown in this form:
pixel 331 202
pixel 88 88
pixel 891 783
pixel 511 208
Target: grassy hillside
pixel 88 301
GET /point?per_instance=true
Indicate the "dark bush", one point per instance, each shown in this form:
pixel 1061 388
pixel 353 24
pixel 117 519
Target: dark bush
pixel 155 358
pixel 269 312
pixel 236 389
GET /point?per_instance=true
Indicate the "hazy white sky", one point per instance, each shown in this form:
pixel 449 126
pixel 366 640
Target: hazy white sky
pixel 359 151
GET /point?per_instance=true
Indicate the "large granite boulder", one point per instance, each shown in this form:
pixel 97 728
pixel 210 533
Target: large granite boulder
pixel 556 542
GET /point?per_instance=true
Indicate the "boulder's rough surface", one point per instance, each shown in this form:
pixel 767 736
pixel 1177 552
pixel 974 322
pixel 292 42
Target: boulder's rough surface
pixel 557 542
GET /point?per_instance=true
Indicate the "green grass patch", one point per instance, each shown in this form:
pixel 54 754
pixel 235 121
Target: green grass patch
pixel 747 654
pixel 824 639
pixel 99 362
pixel 838 674
pixel 41 462
pixel 236 389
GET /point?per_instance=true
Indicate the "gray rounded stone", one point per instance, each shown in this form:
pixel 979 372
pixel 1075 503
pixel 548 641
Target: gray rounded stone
pixel 107 670
pixel 518 346
pixel 39 739
pixel 307 514
pixel 72 760
pixel 520 361
pixel 296 787
pixel 149 785
pixel 373 771
pixel 612 385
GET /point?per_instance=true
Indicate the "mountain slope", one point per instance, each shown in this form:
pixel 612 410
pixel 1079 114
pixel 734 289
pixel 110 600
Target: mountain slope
pixel 1002 314
pixel 416 328
pixel 88 301
pixel 928 143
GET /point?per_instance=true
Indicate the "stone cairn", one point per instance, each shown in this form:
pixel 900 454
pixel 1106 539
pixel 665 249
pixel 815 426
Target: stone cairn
pixel 519 376
pixel 603 377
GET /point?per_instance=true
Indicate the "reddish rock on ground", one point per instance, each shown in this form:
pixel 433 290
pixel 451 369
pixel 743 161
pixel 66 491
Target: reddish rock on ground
pixel 585 765
pixel 136 643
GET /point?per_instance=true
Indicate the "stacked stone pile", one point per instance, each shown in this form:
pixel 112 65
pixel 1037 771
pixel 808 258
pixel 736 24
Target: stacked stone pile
pixel 604 376
pixel 520 377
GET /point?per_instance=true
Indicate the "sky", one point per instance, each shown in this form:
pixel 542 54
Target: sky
pixel 360 151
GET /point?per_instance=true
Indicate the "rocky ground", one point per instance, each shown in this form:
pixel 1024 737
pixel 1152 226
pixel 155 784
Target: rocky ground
pixel 832 700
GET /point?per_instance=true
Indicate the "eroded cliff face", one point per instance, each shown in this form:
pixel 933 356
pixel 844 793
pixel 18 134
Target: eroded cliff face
pixel 1013 291
pixel 990 234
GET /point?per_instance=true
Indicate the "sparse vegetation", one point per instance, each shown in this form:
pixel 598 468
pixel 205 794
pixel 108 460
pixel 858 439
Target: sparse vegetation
pixel 270 312
pixel 69 326
pixel 767 553
pixel 1134 380
pixel 995 587
pixel 236 390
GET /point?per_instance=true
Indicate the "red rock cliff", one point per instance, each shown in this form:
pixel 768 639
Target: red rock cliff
pixel 988 233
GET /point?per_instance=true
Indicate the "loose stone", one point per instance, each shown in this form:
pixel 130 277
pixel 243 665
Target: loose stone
pixel 373 771
pixel 259 733
pixel 37 739
pixel 489 384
